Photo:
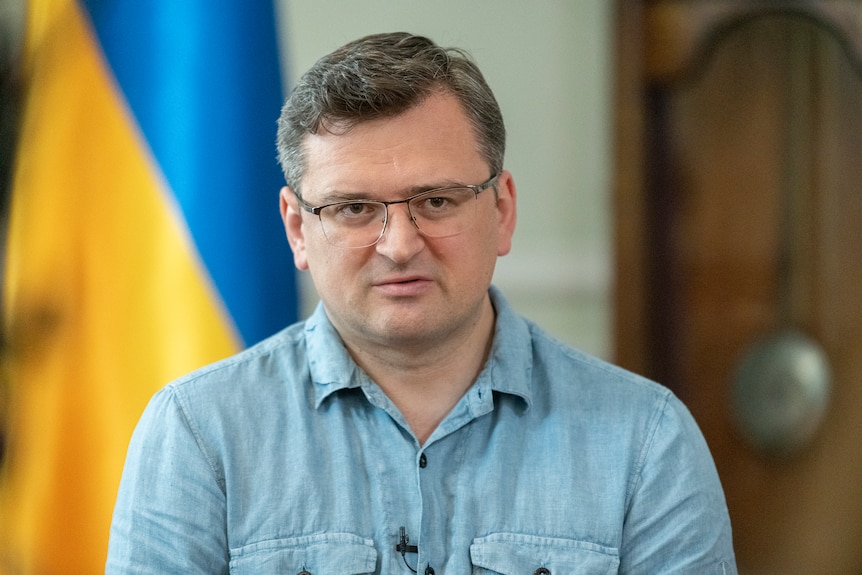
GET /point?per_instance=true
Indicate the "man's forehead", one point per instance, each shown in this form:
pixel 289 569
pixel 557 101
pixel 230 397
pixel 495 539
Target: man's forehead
pixel 435 137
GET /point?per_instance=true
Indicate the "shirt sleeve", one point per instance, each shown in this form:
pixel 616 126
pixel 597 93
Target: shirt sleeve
pixel 677 520
pixel 169 515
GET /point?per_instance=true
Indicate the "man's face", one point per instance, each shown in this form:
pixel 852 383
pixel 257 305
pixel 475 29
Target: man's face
pixel 407 289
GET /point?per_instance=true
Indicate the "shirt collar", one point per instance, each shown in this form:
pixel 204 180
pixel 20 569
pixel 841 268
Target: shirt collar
pixel 510 365
pixel 508 369
pixel 329 364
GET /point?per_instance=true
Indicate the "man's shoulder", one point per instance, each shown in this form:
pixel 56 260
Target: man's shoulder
pixel 590 389
pixel 581 372
pixel 274 360
pixel 554 377
pixel 594 398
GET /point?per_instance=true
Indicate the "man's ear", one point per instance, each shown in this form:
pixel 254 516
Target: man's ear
pixel 506 212
pixel 291 215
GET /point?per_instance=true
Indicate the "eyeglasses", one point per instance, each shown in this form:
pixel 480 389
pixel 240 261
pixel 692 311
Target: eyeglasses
pixel 438 213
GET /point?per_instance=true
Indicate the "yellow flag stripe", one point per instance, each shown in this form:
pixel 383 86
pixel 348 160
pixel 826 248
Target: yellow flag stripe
pixel 105 301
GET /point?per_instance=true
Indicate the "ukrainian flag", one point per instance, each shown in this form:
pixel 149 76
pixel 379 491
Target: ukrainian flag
pixel 144 241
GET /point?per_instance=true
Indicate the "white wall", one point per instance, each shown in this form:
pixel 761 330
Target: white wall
pixel 548 63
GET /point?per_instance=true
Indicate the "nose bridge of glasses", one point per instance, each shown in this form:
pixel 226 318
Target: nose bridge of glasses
pixel 402 206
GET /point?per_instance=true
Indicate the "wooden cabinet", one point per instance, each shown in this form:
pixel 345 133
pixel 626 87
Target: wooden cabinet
pixel 738 215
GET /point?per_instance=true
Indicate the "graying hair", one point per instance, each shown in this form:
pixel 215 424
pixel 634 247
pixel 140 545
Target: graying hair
pixel 382 76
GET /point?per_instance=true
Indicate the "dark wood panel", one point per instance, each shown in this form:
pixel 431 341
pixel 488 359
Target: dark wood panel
pixel 739 197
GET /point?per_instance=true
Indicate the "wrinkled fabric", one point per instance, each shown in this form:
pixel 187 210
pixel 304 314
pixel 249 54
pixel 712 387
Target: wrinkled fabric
pixel 287 457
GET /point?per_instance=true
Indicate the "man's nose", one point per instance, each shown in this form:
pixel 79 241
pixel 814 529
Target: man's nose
pixel 401 239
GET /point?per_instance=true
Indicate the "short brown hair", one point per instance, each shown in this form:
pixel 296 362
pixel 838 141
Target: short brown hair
pixel 381 76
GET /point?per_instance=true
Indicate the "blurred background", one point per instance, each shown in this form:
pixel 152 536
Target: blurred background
pixel 690 207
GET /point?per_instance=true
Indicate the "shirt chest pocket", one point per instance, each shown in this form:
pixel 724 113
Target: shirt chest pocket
pixel 324 554
pixel 514 553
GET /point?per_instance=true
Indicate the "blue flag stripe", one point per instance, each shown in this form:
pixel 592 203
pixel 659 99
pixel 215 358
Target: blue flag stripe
pixel 203 82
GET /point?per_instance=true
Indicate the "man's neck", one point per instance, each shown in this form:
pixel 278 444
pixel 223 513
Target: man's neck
pixel 425 385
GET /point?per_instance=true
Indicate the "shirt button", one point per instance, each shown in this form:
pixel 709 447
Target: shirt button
pixel 423 461
pixel 429 571
pixel 541 571
pixel 304 572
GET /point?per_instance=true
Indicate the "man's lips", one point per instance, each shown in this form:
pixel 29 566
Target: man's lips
pixel 403 285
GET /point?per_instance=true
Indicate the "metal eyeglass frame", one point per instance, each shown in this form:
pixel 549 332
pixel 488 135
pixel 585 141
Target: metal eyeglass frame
pixel 315 210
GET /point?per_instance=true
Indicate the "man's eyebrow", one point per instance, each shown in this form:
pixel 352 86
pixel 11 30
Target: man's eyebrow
pixel 337 196
pixel 435 186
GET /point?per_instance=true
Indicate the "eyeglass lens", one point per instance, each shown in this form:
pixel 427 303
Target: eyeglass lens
pixel 438 213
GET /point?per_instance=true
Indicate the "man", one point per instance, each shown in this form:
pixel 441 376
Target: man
pixel 414 423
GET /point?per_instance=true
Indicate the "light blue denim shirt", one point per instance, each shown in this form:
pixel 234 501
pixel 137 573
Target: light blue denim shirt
pixel 288 458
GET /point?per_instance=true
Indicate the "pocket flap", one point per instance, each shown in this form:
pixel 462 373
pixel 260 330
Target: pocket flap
pixel 510 553
pixel 322 554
